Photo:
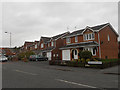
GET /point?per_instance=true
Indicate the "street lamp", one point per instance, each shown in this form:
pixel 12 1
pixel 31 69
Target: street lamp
pixel 10 37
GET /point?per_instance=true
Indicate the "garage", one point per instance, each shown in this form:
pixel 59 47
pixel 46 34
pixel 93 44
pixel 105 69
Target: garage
pixel 49 55
pixel 66 55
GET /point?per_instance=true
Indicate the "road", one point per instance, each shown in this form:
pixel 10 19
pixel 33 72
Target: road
pixel 42 75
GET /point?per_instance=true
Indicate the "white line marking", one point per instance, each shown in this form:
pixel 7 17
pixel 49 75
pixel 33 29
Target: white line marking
pixel 25 72
pixel 76 83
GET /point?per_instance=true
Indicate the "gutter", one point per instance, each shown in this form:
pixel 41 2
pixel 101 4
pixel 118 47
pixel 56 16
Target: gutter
pixel 99 45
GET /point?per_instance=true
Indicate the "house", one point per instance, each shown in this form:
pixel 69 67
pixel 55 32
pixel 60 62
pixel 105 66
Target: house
pixel 101 40
pixel 119 47
pixel 49 46
pixel 34 46
pixel 26 46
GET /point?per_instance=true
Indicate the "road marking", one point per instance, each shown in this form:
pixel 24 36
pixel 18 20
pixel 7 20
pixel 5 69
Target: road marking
pixel 76 83
pixel 25 72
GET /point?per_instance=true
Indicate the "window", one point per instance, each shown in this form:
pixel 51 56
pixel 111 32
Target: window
pixel 89 36
pixel 35 46
pixel 67 40
pixel 76 39
pixel 92 50
pixel 108 38
pixel 57 55
pixel 53 55
pixel 41 45
pixel 52 44
pixel 48 44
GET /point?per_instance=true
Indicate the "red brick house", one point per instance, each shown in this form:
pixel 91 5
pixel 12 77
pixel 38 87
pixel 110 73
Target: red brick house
pixel 26 46
pixel 119 49
pixel 49 46
pixel 101 40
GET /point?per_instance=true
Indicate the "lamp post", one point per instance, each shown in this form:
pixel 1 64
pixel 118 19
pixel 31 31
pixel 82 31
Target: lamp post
pixel 10 37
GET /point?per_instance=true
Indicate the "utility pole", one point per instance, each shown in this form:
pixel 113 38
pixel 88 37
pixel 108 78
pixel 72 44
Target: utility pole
pixel 10 37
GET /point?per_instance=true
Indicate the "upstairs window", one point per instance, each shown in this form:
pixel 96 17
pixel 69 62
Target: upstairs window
pixel 41 45
pixel 67 40
pixel 108 38
pixel 35 46
pixel 76 39
pixel 48 44
pixel 89 36
pixel 52 44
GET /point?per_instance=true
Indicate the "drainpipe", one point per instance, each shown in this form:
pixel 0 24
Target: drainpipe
pixel 99 46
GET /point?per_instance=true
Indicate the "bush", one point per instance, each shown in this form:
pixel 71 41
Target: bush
pixel 23 55
pixel 86 55
pixel 87 60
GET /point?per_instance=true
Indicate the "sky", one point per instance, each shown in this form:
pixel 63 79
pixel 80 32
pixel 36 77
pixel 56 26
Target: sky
pixel 28 21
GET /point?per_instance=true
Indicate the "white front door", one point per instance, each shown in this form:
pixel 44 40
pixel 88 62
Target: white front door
pixel 49 55
pixel 66 55
pixel 75 54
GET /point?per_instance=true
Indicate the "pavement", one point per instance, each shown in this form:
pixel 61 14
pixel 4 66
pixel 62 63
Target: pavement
pixel 42 75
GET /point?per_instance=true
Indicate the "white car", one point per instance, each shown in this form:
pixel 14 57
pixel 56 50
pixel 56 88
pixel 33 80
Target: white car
pixel 3 58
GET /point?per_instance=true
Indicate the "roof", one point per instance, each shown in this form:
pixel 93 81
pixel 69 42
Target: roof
pixel 47 49
pixel 28 43
pixel 45 39
pixel 94 28
pixel 82 44
pixel 58 36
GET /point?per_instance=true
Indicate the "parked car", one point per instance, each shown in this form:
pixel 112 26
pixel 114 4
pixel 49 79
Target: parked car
pixel 3 58
pixel 37 58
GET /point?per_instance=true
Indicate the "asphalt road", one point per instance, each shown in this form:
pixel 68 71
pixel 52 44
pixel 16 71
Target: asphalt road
pixel 42 75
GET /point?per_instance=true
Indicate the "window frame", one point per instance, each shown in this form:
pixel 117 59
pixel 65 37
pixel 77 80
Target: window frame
pixel 42 45
pixel 76 38
pixel 52 43
pixel 108 37
pixel 68 40
pixel 89 36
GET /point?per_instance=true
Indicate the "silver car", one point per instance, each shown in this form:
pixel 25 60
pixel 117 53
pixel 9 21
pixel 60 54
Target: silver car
pixel 3 58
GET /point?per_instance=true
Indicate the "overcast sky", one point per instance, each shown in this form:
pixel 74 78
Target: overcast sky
pixel 28 21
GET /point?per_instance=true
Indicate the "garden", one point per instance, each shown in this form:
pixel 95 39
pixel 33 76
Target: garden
pixel 85 57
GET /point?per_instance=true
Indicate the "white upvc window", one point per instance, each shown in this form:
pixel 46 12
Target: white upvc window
pixel 68 40
pixel 52 43
pixel 76 39
pixel 42 45
pixel 92 50
pixel 89 36
pixel 108 37
pixel 35 46
pixel 48 44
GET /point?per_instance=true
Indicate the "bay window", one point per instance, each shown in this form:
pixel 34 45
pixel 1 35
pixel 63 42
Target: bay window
pixel 89 36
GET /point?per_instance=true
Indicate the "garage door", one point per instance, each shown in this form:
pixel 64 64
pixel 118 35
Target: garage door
pixel 49 55
pixel 66 55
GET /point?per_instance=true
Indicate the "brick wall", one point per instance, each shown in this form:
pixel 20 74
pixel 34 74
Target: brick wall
pixel 109 49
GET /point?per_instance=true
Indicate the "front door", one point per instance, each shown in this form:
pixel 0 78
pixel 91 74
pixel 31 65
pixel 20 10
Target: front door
pixel 74 54
pixel 49 55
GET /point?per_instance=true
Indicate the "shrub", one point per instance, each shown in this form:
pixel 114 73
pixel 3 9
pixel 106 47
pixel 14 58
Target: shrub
pixel 79 54
pixel 82 60
pixel 28 53
pixel 87 60
pixel 86 54
pixel 23 55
